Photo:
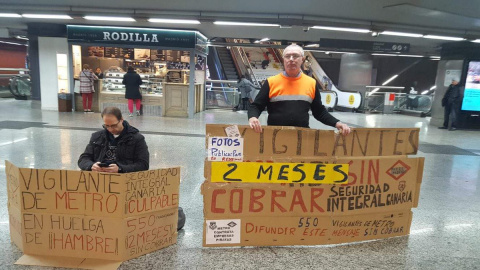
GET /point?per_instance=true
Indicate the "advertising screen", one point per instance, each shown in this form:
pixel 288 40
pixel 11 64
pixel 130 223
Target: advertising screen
pixel 471 96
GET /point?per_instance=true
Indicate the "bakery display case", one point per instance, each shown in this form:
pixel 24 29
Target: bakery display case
pixel 151 83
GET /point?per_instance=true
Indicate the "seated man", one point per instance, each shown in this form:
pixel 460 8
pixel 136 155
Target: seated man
pixel 119 148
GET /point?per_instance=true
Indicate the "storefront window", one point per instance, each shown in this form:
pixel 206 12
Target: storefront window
pixel 155 67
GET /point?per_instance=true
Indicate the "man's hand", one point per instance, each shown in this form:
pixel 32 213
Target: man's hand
pixel 343 128
pixel 255 124
pixel 113 168
pixel 97 168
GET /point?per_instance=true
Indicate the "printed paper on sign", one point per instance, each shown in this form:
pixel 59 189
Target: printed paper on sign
pixel 224 231
pixel 225 149
pixel 232 131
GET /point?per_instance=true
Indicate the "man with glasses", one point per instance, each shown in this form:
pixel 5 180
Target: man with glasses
pixel 119 148
pixel 289 96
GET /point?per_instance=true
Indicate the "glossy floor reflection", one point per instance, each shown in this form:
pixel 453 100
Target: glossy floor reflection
pixel 445 232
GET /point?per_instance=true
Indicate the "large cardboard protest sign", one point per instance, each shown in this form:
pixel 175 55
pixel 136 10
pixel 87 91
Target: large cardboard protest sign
pixel 92 215
pixel 277 141
pixel 303 230
pixel 375 184
pixel 373 203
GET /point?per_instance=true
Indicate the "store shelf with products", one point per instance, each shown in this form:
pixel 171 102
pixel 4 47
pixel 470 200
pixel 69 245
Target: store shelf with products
pixel 152 84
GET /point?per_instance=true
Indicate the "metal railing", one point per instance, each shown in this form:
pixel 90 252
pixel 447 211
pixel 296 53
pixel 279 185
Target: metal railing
pixel 375 100
pixel 417 103
pixel 221 94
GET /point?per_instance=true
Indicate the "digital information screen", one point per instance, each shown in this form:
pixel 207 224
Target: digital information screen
pixel 471 96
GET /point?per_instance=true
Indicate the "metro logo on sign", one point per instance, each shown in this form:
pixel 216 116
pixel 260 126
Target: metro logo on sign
pixel 398 170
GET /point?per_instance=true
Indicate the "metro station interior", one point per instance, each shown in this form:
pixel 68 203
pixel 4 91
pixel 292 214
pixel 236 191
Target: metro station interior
pixel 378 64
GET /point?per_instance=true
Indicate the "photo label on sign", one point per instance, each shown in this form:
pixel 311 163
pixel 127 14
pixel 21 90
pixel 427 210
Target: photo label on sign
pixel 279 173
pixel 232 131
pixel 224 231
pixel 225 149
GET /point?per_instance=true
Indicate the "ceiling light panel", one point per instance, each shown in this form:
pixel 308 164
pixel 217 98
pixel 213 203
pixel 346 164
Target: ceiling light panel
pixel 401 34
pixel 384 54
pixel 176 21
pixel 10 15
pixel 109 18
pixel 444 37
pixel 47 16
pixel 244 23
pixel 344 29
pixel 410 55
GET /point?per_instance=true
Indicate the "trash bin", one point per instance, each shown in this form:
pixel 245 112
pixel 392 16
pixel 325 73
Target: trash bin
pixel 65 102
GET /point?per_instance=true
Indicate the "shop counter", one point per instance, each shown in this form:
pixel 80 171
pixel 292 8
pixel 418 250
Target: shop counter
pixel 152 104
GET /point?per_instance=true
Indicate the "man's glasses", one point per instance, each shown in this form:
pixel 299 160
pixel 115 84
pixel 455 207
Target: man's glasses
pixel 111 126
pixel 292 56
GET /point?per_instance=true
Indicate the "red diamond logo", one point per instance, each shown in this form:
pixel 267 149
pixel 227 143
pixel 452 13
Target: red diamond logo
pixel 398 170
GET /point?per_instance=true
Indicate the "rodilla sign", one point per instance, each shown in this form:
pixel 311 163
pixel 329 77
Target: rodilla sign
pixel 134 36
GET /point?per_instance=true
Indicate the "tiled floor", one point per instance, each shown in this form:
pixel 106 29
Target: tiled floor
pixel 445 231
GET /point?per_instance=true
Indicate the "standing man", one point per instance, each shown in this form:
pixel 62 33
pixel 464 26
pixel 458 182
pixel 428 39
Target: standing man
pixel 119 148
pixel 451 102
pixel 289 96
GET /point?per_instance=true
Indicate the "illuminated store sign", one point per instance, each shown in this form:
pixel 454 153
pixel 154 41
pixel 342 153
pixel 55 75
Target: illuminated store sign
pixel 135 36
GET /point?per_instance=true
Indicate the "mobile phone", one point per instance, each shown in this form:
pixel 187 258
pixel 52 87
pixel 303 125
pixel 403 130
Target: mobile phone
pixel 103 164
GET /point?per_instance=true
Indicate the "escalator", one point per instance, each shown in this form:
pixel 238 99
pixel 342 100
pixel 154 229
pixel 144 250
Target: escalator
pixel 346 100
pixel 16 82
pixel 220 90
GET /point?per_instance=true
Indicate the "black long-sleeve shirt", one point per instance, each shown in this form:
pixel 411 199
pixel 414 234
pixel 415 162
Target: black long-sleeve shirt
pixel 288 101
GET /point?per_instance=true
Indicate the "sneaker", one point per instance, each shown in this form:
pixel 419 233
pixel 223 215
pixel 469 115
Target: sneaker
pixel 138 113
pixel 131 115
pixel 90 111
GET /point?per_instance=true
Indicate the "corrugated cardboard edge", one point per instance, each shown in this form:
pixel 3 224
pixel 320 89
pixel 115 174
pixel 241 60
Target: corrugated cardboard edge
pixel 420 166
pixel 67 262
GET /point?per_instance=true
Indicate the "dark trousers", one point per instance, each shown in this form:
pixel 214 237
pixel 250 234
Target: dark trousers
pixel 245 103
pixel 450 115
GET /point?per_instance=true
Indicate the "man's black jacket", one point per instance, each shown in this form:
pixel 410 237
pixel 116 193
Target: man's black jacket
pixel 131 155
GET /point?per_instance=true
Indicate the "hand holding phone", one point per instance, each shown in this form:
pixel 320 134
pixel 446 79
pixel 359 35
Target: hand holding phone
pixel 103 165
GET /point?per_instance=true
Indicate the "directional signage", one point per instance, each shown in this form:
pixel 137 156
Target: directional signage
pixel 343 44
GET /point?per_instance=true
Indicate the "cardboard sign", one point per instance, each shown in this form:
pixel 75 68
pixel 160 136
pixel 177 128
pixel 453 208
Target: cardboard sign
pixel 225 149
pixel 92 215
pixel 279 173
pixel 276 141
pixel 301 230
pixel 374 185
pixel 92 193
pixel 383 184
